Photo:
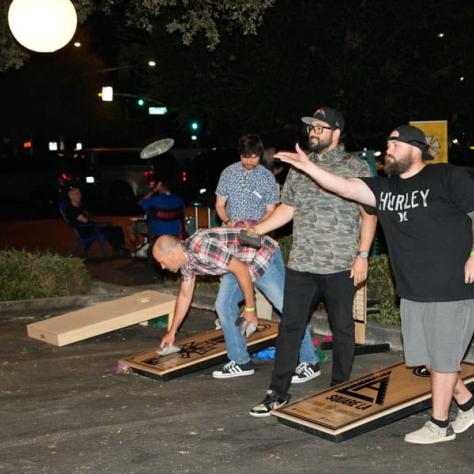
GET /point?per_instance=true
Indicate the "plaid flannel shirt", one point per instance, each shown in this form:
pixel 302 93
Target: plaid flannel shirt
pixel 210 251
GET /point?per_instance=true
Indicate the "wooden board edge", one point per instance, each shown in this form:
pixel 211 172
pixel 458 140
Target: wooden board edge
pixel 354 429
pixel 255 346
pixel 185 369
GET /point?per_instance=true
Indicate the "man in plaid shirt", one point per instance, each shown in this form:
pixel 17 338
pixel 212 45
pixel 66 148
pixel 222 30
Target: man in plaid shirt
pixel 218 251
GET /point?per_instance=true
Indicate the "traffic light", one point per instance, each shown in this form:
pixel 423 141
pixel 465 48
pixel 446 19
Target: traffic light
pixel 194 126
pixel 140 102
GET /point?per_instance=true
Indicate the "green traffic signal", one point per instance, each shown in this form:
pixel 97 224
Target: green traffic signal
pixel 194 125
pixel 141 102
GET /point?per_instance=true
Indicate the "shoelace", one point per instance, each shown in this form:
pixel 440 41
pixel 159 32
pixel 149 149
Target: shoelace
pixel 301 368
pixel 229 365
pixel 433 427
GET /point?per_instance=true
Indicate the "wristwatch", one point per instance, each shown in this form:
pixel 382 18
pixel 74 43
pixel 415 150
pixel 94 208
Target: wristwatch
pixel 363 254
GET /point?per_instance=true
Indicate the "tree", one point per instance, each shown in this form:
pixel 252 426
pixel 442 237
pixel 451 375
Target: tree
pixel 189 18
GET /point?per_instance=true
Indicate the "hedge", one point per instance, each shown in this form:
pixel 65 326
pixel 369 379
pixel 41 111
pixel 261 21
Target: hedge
pixel 29 275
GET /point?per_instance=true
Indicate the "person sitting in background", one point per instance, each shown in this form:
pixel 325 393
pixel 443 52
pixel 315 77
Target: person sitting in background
pixel 159 197
pixel 76 215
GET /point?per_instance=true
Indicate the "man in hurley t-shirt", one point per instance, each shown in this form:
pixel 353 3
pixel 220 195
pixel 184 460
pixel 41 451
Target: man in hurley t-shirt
pixel 427 214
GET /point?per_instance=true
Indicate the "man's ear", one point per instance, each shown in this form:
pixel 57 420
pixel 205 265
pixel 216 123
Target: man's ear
pixel 336 136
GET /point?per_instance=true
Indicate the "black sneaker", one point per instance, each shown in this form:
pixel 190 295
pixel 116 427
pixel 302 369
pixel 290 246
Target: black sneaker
pixel 272 401
pixel 233 369
pixel 305 371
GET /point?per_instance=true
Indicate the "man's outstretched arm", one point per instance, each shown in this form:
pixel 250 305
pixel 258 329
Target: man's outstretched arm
pixel 278 218
pixel 353 189
pixel 183 302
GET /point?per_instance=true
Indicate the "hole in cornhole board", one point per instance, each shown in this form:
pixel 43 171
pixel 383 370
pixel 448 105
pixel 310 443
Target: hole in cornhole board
pixel 197 352
pixel 365 403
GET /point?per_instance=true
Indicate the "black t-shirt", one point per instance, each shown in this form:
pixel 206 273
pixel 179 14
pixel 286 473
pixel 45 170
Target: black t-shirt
pixel 428 232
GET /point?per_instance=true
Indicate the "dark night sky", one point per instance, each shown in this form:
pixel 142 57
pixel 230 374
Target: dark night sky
pixel 382 63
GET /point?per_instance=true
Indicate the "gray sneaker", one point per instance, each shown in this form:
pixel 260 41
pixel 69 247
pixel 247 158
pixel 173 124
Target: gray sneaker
pixel 430 433
pixel 463 420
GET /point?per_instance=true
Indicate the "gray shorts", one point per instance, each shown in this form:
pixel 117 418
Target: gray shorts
pixel 436 333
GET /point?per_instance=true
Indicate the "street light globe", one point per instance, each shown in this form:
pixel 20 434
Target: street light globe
pixel 43 26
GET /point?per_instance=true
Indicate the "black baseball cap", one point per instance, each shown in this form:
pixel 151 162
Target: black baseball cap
pixel 414 137
pixel 331 116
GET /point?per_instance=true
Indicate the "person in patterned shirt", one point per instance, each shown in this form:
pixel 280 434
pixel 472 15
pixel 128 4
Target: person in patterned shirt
pixel 328 258
pixel 247 193
pixel 246 190
pixel 218 251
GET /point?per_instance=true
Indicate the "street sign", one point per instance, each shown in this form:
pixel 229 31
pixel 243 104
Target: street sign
pixel 157 110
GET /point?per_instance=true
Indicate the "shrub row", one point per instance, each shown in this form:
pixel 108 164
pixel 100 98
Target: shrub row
pixel 29 275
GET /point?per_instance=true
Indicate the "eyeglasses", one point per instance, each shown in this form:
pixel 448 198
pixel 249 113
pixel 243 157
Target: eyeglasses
pixel 317 129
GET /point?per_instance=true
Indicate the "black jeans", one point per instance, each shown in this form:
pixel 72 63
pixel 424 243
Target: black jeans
pixel 302 290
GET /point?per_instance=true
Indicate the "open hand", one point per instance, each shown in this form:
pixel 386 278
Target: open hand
pixel 299 159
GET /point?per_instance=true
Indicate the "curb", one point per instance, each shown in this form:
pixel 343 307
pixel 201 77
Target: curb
pixel 102 291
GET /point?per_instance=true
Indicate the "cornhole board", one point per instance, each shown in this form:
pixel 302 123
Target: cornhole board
pixel 359 313
pixel 197 352
pixel 102 318
pixel 365 403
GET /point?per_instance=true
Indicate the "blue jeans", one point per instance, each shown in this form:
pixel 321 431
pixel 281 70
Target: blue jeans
pixel 271 284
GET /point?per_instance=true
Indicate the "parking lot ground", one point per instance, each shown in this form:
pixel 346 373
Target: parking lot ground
pixel 63 411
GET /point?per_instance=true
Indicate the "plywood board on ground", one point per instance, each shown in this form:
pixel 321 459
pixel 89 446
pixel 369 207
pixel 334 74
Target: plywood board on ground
pixel 102 318
pixel 197 352
pixel 365 403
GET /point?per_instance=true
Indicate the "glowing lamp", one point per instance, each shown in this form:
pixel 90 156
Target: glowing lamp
pixel 43 26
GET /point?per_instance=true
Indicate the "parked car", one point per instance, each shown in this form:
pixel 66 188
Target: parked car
pixel 121 174
pixel 122 177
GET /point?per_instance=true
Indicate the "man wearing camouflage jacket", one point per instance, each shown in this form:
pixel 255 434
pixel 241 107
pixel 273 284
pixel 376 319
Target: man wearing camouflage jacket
pixel 328 258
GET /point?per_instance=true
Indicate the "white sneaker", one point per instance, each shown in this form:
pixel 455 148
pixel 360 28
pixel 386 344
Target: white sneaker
pixel 233 369
pixel 463 420
pixel 305 372
pixel 430 433
pixel 142 252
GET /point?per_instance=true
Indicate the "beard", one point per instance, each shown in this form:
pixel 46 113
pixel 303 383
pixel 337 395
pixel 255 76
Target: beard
pixel 316 145
pixel 396 168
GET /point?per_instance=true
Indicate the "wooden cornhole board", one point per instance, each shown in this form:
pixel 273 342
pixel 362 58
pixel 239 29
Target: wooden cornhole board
pixel 365 403
pixel 102 318
pixel 359 313
pixel 197 352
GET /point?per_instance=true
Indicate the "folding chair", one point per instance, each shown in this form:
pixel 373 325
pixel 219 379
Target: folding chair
pixel 85 242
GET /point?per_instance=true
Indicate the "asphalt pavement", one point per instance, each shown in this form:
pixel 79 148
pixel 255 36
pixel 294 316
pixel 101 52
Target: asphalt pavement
pixel 63 411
